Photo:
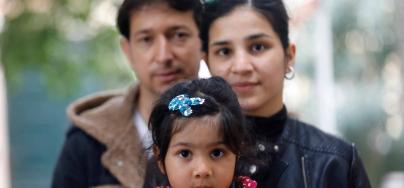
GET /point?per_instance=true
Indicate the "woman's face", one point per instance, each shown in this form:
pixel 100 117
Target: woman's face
pixel 245 50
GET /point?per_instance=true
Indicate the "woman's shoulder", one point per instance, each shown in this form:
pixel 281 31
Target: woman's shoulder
pixel 312 139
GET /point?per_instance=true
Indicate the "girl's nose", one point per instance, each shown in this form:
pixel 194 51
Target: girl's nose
pixel 202 169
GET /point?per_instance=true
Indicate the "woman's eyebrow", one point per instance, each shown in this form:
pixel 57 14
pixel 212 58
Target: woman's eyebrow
pixel 257 36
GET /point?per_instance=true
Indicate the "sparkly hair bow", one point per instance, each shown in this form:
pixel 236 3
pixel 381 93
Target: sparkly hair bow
pixel 183 103
pixel 247 182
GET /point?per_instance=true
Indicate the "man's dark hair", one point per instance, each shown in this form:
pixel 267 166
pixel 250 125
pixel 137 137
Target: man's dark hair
pixel 220 103
pixel 273 10
pixel 128 7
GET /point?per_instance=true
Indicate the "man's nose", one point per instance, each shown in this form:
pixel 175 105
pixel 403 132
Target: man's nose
pixel 202 169
pixel 163 51
pixel 242 62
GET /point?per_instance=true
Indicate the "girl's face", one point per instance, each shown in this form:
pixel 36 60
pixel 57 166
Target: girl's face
pixel 245 50
pixel 197 156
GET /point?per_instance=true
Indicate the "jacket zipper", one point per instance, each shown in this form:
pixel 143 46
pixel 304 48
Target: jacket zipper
pixel 304 173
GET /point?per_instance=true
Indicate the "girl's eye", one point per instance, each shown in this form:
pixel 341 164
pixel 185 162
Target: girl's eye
pixel 184 153
pixel 217 153
pixel 257 48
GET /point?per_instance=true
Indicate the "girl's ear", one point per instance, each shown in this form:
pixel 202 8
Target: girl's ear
pixel 160 162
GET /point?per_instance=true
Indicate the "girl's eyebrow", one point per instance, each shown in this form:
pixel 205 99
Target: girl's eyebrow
pixel 186 144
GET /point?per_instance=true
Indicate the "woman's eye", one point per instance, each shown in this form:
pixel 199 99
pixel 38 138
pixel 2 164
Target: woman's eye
pixel 257 48
pixel 223 52
pixel 217 153
pixel 184 153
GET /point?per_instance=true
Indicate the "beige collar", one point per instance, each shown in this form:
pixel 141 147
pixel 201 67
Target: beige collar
pixel 108 117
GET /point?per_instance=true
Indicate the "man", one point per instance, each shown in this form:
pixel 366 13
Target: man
pixel 106 146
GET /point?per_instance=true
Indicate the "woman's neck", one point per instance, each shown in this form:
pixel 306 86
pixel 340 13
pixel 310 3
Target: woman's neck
pixel 267 110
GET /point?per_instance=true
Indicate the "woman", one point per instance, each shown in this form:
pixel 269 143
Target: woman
pixel 246 42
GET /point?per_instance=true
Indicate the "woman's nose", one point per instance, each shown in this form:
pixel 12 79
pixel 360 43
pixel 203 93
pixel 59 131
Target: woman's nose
pixel 241 63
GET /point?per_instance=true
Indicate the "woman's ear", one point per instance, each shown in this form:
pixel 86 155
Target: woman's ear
pixel 290 55
pixel 160 162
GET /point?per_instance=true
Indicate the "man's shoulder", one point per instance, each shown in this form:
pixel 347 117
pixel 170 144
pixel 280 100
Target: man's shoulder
pixel 104 114
pixel 311 138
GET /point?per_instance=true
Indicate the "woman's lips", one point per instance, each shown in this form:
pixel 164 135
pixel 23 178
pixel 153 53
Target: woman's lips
pixel 243 87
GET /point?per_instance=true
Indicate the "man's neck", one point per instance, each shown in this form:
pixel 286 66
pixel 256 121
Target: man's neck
pixel 145 103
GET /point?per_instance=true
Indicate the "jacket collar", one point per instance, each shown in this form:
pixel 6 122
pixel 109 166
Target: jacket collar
pixel 108 118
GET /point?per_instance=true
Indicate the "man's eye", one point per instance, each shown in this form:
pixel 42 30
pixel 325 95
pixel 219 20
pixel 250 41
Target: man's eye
pixel 184 153
pixel 217 153
pixel 257 48
pixel 145 39
pixel 181 35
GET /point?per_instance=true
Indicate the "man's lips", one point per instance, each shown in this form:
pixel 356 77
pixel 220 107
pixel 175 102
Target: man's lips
pixel 167 76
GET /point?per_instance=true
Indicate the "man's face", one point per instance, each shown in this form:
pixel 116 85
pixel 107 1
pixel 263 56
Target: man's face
pixel 163 48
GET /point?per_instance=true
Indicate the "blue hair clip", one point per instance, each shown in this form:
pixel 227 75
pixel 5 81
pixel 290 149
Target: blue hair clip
pixel 183 103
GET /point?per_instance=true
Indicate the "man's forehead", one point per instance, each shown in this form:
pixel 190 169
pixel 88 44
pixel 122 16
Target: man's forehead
pixel 160 16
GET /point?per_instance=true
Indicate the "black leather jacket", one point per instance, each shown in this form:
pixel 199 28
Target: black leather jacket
pixel 300 155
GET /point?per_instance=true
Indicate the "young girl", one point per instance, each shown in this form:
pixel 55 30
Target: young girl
pixel 246 42
pixel 198 135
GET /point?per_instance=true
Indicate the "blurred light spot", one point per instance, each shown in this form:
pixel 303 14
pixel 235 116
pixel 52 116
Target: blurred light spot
pixel 13 9
pixel 74 29
pixel 39 6
pixel 103 14
pixel 297 91
pixel 392 76
pixel 394 127
pixel 392 73
pixel 354 41
pixel 391 103
pixel 373 44
pixel 393 180
pixel 388 6
pixel 380 142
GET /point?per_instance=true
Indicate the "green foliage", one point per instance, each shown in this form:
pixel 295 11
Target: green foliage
pixel 62 46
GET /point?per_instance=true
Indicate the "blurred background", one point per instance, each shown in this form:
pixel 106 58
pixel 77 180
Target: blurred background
pixel 349 79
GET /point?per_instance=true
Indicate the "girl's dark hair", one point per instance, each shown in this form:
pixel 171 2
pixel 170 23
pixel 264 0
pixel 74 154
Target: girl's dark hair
pixel 220 101
pixel 128 7
pixel 273 10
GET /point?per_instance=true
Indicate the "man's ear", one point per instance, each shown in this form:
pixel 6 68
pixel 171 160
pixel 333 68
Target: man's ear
pixel 160 162
pixel 125 46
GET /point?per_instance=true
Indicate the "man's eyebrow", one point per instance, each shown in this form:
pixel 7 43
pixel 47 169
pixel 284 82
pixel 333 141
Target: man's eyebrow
pixel 257 36
pixel 142 31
